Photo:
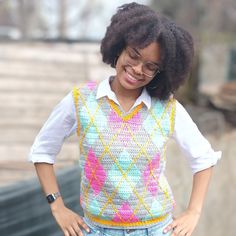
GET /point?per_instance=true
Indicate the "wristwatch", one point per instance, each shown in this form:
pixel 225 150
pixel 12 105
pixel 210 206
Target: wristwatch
pixel 52 197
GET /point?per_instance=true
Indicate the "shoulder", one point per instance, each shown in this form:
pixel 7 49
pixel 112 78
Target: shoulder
pixel 167 104
pixel 85 88
pixel 181 110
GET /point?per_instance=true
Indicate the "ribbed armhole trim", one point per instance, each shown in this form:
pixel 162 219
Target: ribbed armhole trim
pixel 76 98
pixel 172 116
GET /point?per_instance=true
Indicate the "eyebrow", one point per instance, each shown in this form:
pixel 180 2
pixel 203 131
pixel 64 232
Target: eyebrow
pixel 136 51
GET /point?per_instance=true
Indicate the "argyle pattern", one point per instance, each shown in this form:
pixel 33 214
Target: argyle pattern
pixel 122 160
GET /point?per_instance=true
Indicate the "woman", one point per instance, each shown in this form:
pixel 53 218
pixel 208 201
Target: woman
pixel 123 125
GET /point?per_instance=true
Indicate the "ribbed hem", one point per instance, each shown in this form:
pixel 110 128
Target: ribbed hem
pixel 128 225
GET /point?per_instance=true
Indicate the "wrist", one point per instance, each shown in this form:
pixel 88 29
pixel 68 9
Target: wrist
pixel 55 200
pixel 56 205
pixel 194 210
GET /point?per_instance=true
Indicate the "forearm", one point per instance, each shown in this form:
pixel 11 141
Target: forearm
pixel 199 189
pixel 69 221
pixel 48 181
pixel 187 221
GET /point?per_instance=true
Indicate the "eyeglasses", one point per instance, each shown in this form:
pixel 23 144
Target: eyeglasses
pixel 133 58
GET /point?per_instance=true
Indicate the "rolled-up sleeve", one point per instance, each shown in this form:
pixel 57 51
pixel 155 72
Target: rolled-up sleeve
pixel 61 124
pixel 194 145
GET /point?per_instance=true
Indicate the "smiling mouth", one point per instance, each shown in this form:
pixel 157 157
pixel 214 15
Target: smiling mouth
pixel 132 78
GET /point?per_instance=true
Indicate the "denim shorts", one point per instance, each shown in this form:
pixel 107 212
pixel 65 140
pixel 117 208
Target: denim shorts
pixel 156 230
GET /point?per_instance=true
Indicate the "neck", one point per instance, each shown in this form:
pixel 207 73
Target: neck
pixel 124 94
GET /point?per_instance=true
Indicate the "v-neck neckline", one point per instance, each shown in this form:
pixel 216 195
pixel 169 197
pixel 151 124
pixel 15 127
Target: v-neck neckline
pixel 122 113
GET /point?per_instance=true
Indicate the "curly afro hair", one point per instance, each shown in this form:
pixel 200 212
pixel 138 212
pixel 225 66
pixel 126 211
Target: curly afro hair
pixel 138 25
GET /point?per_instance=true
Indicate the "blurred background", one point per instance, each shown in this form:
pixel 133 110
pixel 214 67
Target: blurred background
pixel 47 47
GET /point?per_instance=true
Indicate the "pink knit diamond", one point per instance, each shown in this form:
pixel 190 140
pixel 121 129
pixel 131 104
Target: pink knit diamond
pixel 94 172
pixel 91 85
pixel 151 175
pixel 133 124
pixel 125 214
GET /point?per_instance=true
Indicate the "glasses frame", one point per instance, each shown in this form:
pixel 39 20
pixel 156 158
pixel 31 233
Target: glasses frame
pixel 139 60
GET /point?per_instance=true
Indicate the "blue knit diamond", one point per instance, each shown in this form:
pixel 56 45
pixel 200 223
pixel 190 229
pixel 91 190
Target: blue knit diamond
pixel 123 176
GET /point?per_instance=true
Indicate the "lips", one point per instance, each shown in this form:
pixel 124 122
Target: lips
pixel 131 79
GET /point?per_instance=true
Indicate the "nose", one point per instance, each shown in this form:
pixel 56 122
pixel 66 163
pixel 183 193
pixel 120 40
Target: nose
pixel 138 69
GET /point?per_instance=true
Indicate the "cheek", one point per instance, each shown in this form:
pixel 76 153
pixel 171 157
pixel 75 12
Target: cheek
pixel 119 67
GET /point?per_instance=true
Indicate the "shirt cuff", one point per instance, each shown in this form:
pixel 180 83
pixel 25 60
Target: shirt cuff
pixel 41 158
pixel 205 161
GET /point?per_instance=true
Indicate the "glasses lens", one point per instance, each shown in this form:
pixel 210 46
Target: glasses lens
pixel 131 58
pixel 150 69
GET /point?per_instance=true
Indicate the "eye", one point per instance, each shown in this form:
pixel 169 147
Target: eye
pixel 132 54
pixel 151 67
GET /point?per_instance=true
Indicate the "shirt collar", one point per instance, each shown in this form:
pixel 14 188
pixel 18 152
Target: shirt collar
pixel 104 89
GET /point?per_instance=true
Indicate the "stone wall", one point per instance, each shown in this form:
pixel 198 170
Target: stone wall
pixel 25 212
pixel 214 67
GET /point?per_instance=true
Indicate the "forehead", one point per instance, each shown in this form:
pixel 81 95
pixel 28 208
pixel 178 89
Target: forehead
pixel 151 52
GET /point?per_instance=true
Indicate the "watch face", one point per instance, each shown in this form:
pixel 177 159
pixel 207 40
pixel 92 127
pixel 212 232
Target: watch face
pixel 50 198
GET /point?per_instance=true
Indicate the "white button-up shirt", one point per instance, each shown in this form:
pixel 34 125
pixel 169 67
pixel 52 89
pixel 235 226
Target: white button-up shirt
pixel 62 123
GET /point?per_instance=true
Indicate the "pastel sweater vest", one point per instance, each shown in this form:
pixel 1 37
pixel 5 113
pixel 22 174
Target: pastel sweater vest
pixel 122 160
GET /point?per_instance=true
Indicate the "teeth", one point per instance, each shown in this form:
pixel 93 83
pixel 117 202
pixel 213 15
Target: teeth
pixel 131 77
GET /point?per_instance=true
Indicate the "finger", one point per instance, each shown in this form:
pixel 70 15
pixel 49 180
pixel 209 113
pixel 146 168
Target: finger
pixel 178 231
pixel 170 227
pixel 81 233
pixel 77 229
pixel 183 233
pixel 66 233
pixel 72 231
pixel 187 232
pixel 82 224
